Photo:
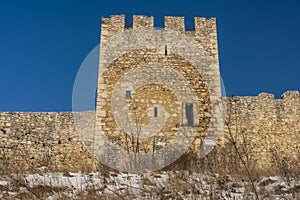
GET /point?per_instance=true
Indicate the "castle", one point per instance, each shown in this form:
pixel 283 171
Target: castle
pixel 159 96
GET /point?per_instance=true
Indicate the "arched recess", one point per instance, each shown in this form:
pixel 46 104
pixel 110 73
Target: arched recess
pixel 143 57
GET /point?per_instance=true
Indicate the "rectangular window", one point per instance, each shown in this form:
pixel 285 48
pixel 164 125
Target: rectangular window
pixel 128 94
pixel 155 111
pixel 189 114
pixel 166 50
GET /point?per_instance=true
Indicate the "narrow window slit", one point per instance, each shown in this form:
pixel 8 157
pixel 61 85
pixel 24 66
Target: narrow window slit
pixel 189 114
pixel 155 111
pixel 166 50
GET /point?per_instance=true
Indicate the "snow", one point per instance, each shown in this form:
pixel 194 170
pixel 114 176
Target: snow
pixel 209 142
pixel 4 183
pixel 161 144
pixel 74 180
pixel 150 185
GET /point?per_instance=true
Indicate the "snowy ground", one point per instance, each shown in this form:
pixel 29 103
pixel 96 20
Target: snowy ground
pixel 164 185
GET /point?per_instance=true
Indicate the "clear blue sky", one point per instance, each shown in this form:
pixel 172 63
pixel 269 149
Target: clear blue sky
pixel 43 43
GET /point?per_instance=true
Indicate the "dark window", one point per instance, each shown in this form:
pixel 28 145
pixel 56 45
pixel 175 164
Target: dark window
pixel 189 114
pixel 128 94
pixel 155 111
pixel 166 50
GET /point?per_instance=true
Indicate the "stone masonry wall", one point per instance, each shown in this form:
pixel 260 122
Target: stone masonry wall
pixel 51 139
pixel 271 126
pixel 183 62
pixel 42 139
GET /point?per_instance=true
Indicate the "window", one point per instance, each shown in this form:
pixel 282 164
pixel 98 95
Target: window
pixel 128 94
pixel 166 50
pixel 189 114
pixel 155 111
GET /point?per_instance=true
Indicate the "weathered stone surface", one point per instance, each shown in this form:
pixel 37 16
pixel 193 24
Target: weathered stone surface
pixel 50 138
pixel 42 138
pixel 175 60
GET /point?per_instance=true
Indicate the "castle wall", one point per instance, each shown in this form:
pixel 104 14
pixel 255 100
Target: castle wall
pixel 42 139
pixel 51 138
pixel 271 127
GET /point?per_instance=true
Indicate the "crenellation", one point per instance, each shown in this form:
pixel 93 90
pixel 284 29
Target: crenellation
pixel 291 95
pixel 205 29
pixel 205 25
pixel 174 23
pixel 111 26
pixel 142 21
pixel 265 95
pixel 206 35
pixel 199 23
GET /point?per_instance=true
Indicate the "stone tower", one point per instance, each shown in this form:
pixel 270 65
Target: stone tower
pixel 157 87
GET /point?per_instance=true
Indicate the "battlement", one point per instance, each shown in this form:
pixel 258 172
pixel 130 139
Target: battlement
pixel 116 24
pixel 142 21
pixel 205 30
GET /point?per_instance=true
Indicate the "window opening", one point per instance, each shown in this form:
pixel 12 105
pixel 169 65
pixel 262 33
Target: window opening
pixel 155 111
pixel 189 114
pixel 128 94
pixel 166 50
